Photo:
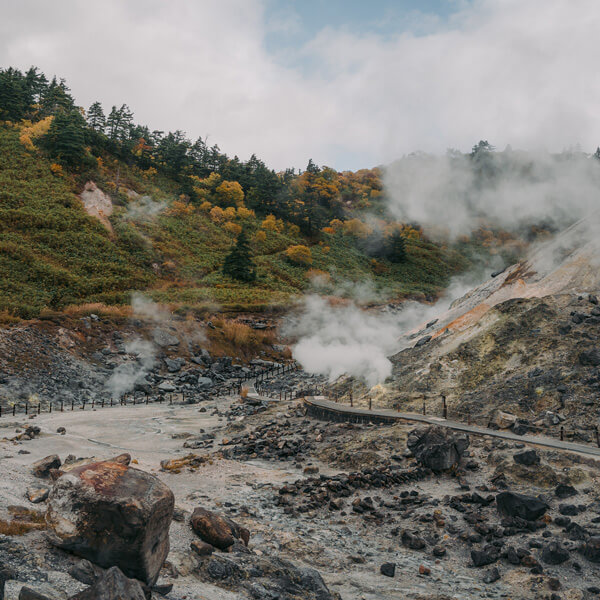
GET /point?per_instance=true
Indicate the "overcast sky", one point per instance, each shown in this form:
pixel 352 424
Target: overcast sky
pixel 349 83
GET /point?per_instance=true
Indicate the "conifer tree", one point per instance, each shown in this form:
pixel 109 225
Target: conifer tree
pixel 95 117
pixel 396 248
pixel 238 263
pixel 65 139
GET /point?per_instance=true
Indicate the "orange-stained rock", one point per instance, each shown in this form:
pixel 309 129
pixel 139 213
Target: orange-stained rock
pixel 217 530
pixel 113 515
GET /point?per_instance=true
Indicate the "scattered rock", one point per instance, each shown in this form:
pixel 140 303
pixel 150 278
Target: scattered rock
pixel 437 448
pixel 37 495
pixel 202 548
pixel 217 530
pixel 591 549
pixel 527 458
pixel 554 554
pixel 388 569
pixel 42 467
pixel 27 593
pixel 113 585
pixel 485 556
pixel 564 490
pixel 518 505
pixel 491 575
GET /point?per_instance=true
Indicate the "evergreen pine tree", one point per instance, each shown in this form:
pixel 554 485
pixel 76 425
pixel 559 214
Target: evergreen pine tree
pixel 95 117
pixel 65 139
pixel 15 98
pixel 238 263
pixel 396 248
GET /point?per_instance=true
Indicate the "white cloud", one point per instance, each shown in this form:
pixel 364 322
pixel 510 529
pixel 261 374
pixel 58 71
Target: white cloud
pixel 511 71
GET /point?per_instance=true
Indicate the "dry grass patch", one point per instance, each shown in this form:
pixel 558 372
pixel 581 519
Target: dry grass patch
pixel 23 521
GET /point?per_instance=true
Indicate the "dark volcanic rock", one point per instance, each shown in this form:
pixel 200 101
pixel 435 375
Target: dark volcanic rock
pixel 113 515
pixel 485 556
pixel 591 549
pixel 388 569
pixel 29 594
pixel 217 530
pixel 590 358
pixel 554 554
pixel 564 490
pixel 518 505
pixel 492 575
pixel 113 585
pixel 527 458
pixel 437 448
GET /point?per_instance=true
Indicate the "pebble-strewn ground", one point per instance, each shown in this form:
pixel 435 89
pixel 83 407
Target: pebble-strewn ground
pixel 343 499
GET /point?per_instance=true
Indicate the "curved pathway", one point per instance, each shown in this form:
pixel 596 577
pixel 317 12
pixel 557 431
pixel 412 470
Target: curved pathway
pixel 322 408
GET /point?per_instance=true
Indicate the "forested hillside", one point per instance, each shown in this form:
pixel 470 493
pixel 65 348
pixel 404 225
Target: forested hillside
pixel 187 224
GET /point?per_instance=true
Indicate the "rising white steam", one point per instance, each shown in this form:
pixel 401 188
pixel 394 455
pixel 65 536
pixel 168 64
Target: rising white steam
pixel 344 339
pixel 334 340
pixel 124 378
pixel 146 309
pixel 144 208
pixel 456 193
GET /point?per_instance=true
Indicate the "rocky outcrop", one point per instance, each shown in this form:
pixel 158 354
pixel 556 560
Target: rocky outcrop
pixel 97 204
pixel 217 530
pixel 113 515
pixel 437 448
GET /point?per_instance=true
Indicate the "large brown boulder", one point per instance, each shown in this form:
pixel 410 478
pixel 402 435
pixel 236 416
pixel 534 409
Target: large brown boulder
pixel 437 448
pixel 113 515
pixel 217 530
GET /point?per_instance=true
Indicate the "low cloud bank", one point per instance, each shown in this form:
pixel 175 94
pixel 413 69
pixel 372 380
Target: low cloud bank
pixel 454 194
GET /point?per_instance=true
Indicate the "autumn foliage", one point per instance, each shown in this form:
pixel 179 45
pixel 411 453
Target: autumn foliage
pixel 300 255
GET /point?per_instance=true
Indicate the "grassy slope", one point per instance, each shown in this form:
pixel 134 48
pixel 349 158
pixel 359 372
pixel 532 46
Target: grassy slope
pixel 53 254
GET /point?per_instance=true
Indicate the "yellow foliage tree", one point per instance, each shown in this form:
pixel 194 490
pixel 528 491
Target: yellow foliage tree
pixel 30 132
pixel 56 169
pixel 260 237
pixel 271 223
pixel 205 188
pixel 329 230
pixel 205 206
pixel 233 228
pixel 149 173
pixel 357 228
pixel 179 208
pixel 336 225
pixel 230 193
pixel 217 214
pixel 245 213
pixel 229 212
pixel 300 255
